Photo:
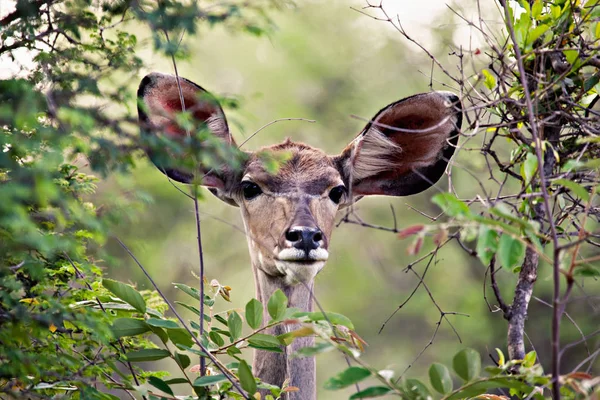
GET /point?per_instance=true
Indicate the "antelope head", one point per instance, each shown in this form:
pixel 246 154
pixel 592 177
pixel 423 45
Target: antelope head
pixel 289 214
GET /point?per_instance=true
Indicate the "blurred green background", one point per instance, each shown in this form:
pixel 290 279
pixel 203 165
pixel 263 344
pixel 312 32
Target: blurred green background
pixel 327 62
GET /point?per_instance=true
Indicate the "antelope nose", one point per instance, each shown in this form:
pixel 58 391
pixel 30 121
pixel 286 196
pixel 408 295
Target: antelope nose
pixel 304 238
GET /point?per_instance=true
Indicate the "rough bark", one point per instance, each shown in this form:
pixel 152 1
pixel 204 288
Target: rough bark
pixel 518 309
pixel 517 314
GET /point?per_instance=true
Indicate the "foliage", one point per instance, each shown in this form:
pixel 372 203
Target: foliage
pixel 222 335
pixel 520 378
pixel 72 103
pixel 530 106
pixel 63 329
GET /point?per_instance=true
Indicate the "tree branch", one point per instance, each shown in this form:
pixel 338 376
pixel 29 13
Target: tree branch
pixel 24 10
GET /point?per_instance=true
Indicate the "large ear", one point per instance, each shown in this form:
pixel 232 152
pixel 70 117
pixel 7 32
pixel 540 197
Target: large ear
pixel 405 148
pixel 160 100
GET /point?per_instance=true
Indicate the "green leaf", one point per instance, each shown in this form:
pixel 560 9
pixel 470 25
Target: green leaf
pixel 510 251
pixel 147 355
pixel 535 33
pixel 467 364
pixel 501 359
pixel 263 340
pixel 176 381
pixel 246 379
pixel 288 338
pixel 254 314
pixel 592 81
pixel 536 9
pixel 529 360
pixel 416 390
pixel 126 293
pixel 502 210
pixel 334 318
pixel 180 336
pixel 277 305
pixel 347 377
pixel 529 167
pixel 232 351
pixel 129 327
pixel 203 381
pixel 183 360
pixel 373 391
pixel 162 323
pixel 235 325
pixel 272 349
pixel 451 205
pixel 160 384
pixel 161 333
pixel 571 56
pixel 487 244
pixel 489 79
pixel 216 338
pixel 574 187
pixel 221 319
pixel 439 376
pixel 587 270
pixel 191 308
pixel 319 348
pixel 479 387
pixel 190 291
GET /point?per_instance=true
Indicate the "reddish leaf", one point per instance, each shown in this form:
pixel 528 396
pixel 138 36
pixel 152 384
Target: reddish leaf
pixel 411 230
pixel 415 246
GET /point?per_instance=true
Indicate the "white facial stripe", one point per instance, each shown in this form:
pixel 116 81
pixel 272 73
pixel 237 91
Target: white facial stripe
pixel 293 254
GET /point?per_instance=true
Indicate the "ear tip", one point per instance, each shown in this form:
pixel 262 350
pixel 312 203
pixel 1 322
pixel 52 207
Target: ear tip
pixel 450 97
pixel 149 81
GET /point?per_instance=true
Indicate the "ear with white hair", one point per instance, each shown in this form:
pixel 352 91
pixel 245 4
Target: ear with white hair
pixel 161 98
pixel 405 148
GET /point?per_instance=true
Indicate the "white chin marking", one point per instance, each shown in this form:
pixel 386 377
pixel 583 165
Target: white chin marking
pixel 294 254
pixel 297 267
pixel 296 272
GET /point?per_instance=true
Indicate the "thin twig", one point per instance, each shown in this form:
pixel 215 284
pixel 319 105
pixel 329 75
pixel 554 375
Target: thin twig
pixel 212 358
pixel 271 123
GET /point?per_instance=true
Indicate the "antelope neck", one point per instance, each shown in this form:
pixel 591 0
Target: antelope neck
pixel 275 368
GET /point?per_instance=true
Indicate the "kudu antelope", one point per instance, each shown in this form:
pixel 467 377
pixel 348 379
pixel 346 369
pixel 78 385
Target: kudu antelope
pixel 289 215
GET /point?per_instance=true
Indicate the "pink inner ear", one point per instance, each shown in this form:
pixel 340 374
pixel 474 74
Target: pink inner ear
pixel 174 106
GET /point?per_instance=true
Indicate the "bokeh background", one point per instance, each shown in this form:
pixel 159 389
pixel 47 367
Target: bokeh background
pixel 326 62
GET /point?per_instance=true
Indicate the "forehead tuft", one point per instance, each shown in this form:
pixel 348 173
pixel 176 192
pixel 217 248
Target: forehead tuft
pixel 305 168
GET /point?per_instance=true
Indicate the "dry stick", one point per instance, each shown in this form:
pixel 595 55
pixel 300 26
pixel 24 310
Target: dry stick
pixel 545 197
pixel 212 358
pixel 584 340
pixel 201 255
pixel 443 314
pixel 408 267
pixel 271 123
pixel 503 306
pixel 200 252
pixel 106 374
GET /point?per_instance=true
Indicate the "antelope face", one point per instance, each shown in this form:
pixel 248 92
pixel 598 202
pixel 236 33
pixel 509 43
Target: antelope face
pixel 289 212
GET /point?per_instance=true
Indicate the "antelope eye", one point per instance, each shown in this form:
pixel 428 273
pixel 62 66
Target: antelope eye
pixel 251 190
pixel 336 194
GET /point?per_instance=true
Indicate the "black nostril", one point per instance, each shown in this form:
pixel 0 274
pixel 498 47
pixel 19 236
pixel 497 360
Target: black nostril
pixel 304 238
pixel 317 237
pixel 293 235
